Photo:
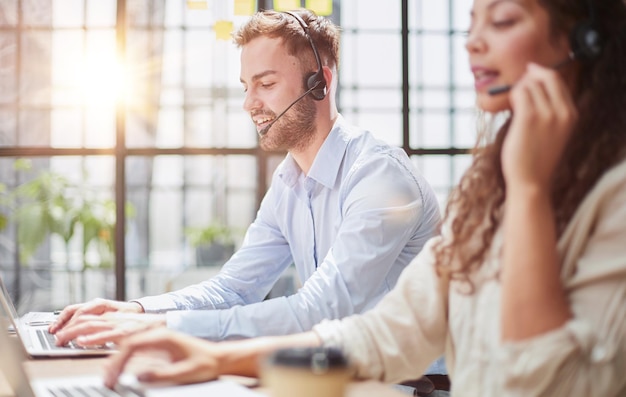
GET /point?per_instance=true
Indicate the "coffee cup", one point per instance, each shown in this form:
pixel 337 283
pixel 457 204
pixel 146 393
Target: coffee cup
pixel 306 372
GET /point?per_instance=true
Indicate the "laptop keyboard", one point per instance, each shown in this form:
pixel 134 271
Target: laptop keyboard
pixel 48 341
pixel 93 390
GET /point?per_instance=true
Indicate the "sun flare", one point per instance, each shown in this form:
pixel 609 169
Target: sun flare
pixel 103 81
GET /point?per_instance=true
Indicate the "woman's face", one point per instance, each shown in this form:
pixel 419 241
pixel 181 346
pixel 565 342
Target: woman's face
pixel 504 36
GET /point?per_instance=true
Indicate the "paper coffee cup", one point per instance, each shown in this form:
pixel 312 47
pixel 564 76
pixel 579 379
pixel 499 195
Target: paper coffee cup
pixel 306 372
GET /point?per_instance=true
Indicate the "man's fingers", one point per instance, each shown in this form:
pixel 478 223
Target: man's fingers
pixel 89 330
pixel 111 332
pixel 71 313
pixel 100 338
pixel 63 317
pixel 94 307
pixel 83 329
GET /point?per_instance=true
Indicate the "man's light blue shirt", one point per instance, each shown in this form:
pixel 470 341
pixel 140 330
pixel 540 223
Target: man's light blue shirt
pixel 350 227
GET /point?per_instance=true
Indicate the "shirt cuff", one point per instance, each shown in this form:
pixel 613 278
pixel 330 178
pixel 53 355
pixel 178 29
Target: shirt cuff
pixel 156 304
pixel 328 333
pixel 338 334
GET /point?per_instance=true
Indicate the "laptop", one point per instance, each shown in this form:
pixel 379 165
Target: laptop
pixel 11 366
pixel 32 332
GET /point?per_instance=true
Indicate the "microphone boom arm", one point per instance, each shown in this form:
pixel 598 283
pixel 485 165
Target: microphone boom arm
pixel 264 130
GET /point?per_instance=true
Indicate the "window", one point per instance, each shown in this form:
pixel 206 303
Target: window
pixel 163 135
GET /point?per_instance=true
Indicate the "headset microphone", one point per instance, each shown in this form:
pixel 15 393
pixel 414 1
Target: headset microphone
pixel 264 130
pixel 505 88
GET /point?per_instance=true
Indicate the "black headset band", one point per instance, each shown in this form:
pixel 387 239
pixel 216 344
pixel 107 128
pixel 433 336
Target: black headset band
pixel 305 28
pixel 314 82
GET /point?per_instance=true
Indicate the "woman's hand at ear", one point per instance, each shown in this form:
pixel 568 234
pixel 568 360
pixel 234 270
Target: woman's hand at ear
pixel 533 299
pixel 544 115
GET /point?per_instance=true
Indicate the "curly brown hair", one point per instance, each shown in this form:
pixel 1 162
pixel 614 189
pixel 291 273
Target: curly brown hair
pixel 598 142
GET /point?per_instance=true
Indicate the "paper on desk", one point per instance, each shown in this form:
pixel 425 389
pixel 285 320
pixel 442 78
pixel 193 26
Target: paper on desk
pixel 214 388
pixel 228 388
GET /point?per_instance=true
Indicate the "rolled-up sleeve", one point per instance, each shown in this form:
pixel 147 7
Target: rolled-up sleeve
pixel 587 356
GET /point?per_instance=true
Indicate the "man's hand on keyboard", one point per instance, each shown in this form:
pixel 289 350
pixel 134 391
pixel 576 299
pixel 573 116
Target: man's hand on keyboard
pixel 71 313
pixel 96 330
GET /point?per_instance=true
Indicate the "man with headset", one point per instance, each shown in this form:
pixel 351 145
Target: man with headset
pixel 349 211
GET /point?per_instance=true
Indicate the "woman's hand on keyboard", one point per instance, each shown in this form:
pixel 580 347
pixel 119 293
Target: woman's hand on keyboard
pixel 191 359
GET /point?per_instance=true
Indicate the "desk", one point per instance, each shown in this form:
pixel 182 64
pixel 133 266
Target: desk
pixel 90 366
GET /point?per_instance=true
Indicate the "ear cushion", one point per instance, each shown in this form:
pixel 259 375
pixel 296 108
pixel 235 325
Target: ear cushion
pixel 585 41
pixel 317 80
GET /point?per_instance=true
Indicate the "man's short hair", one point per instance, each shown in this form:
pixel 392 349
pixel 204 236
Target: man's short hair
pixel 276 24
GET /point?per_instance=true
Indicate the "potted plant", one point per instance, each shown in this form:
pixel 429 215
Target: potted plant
pixel 214 243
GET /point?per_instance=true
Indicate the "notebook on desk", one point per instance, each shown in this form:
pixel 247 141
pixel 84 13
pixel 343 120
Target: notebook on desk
pixel 11 366
pixel 32 332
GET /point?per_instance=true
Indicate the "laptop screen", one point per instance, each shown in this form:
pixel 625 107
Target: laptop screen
pixel 8 302
pixel 12 359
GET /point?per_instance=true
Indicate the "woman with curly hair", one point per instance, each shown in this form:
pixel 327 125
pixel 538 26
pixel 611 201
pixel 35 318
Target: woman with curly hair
pixel 524 288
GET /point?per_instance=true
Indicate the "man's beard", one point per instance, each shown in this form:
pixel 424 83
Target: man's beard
pixel 294 130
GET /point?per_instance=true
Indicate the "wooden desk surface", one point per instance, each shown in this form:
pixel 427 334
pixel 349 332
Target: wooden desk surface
pixel 90 366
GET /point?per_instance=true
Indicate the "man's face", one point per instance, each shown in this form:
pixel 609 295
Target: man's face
pixel 272 80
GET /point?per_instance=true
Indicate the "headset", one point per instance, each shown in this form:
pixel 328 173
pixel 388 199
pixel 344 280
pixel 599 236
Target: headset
pixel 315 81
pixel 585 39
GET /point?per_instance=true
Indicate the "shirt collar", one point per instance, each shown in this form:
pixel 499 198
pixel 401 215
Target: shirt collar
pixel 325 167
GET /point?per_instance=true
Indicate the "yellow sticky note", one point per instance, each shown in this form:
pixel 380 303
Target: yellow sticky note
pixel 320 7
pixel 286 5
pixel 223 29
pixel 197 4
pixel 244 7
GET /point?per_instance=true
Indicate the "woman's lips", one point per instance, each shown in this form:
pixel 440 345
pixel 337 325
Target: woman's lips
pixel 484 77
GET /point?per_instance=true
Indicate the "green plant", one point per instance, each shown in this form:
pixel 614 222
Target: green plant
pixel 214 243
pixel 4 217
pixel 43 208
pixel 49 205
pixel 209 234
